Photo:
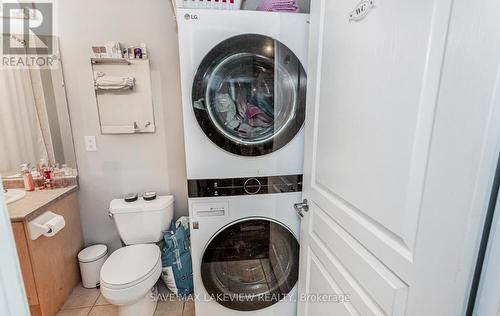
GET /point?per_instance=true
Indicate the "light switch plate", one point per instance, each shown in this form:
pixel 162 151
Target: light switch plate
pixel 90 143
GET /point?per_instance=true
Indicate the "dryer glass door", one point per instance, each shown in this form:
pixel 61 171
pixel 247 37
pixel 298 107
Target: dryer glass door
pixel 249 95
pixel 251 265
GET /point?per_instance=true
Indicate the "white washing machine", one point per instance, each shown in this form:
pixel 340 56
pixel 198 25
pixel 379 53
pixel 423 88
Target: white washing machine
pixel 244 84
pixel 245 254
pixel 243 92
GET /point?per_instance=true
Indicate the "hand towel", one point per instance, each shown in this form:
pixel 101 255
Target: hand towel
pixel 103 82
pixel 278 6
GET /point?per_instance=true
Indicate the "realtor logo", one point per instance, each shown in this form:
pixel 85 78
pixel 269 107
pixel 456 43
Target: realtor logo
pixel 27 38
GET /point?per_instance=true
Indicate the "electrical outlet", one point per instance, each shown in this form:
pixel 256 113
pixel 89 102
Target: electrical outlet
pixel 90 143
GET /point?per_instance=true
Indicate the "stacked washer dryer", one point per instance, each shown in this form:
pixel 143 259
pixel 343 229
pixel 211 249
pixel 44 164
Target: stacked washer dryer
pixel 244 92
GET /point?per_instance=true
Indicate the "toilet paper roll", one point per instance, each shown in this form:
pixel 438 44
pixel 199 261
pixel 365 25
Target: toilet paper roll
pixel 55 224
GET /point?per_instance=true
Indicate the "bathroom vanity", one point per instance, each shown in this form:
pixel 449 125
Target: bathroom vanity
pixel 49 264
pixel 34 113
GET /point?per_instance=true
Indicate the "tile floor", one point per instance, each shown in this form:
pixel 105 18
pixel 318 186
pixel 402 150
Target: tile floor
pixel 90 302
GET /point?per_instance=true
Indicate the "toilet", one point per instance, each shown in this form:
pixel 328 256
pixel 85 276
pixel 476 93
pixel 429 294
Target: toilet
pixel 129 275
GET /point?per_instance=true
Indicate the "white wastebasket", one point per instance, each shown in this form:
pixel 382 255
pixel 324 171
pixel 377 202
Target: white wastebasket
pixel 91 260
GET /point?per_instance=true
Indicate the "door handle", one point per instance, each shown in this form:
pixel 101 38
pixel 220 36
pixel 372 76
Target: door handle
pixel 300 208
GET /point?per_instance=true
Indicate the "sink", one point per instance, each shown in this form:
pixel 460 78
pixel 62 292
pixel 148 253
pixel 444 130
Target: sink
pixel 13 195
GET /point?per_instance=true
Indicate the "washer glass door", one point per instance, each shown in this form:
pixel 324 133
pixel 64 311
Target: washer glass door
pixel 251 264
pixel 249 95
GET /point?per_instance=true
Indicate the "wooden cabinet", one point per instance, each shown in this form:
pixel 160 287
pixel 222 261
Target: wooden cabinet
pixel 49 264
pixel 25 262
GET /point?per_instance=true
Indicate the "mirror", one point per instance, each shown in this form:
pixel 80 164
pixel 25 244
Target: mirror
pixel 34 119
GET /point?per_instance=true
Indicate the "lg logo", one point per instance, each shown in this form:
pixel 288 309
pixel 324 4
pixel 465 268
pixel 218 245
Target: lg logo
pixel 188 16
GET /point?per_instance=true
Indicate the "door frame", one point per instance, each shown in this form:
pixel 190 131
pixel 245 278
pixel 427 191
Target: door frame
pixel 485 293
pixel 12 295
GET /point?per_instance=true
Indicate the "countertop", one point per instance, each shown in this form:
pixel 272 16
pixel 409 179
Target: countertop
pixel 36 201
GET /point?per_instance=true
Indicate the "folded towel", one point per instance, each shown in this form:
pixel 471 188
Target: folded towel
pixel 103 82
pixel 278 6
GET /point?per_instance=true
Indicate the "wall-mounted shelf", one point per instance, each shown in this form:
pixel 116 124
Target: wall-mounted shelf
pixel 125 111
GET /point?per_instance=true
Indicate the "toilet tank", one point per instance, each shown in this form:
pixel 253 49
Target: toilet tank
pixel 141 221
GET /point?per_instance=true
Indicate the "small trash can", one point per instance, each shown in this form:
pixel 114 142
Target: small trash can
pixel 91 260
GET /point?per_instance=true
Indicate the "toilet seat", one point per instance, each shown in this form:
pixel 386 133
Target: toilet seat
pixel 129 274
pixel 130 265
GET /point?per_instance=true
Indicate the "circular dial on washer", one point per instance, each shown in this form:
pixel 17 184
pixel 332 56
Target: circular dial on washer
pixel 252 186
pixel 249 95
pixel 251 264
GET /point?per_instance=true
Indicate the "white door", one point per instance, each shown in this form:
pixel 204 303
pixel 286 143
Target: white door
pixel 402 137
pixel 12 295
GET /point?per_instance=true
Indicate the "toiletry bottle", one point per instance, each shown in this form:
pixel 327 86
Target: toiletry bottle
pixel 48 177
pixel 144 51
pixel 66 170
pixel 109 50
pixel 137 53
pixel 39 177
pixel 29 183
pixel 41 174
pixel 62 183
pixel 56 176
pixel 130 50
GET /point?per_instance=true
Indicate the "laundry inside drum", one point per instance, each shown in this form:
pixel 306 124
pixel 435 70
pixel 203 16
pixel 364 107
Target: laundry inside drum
pixel 250 98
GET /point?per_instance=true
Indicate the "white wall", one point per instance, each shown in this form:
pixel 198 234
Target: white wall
pixel 123 163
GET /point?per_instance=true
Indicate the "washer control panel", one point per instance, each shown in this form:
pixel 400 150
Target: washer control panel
pixel 244 186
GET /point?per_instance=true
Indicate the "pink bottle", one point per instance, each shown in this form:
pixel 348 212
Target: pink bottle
pixel 29 183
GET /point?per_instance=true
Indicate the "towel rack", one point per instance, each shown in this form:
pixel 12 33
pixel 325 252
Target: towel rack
pixel 108 60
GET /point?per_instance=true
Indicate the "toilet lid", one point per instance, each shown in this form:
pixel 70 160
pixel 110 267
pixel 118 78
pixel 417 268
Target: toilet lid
pixel 129 265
